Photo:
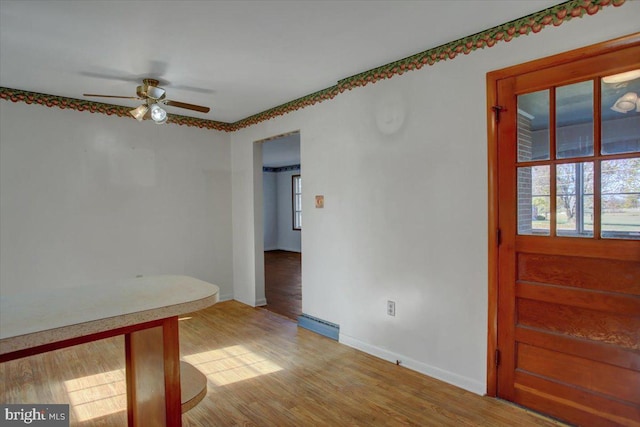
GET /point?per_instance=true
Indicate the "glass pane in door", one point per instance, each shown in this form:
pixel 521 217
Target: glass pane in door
pixel 621 198
pixel 574 199
pixel 574 120
pixel 533 126
pixel 621 113
pixel 534 200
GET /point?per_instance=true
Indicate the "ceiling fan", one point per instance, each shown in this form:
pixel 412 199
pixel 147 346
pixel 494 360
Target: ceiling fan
pixel 154 97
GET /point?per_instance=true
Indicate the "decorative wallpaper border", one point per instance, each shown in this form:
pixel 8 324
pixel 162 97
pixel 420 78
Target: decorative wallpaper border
pixel 17 95
pixel 280 136
pixel 281 168
pixel 534 23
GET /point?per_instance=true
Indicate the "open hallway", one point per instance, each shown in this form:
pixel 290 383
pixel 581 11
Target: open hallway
pixel 282 276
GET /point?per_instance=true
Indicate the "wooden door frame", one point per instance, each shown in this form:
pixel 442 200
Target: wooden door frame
pixel 492 160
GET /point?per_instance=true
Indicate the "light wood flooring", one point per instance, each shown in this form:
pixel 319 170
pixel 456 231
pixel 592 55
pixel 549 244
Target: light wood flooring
pixel 262 370
pixel 282 283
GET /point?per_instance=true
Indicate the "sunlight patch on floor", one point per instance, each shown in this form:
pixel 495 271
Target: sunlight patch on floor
pixel 231 364
pixel 95 396
pixel 102 394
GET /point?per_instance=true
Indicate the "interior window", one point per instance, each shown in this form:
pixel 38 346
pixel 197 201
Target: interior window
pixel 296 190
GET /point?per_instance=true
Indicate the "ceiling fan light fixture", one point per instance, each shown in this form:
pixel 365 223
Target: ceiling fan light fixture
pixel 626 103
pixel 155 93
pixel 622 77
pixel 153 98
pixel 139 112
pixel 158 114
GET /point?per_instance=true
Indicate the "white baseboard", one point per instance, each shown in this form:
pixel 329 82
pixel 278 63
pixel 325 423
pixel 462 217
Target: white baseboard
pixel 223 298
pixel 282 248
pixel 290 249
pixel 258 303
pixel 440 374
pixel 279 248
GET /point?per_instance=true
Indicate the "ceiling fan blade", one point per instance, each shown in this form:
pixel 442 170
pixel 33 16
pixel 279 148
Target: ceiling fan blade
pixel 187 106
pixel 110 96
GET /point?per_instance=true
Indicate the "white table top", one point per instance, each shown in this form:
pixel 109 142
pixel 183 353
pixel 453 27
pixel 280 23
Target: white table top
pixel 32 319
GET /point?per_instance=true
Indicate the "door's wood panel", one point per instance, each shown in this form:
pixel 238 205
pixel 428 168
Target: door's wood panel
pixel 613 355
pixel 580 372
pixel 582 323
pixel 581 272
pixel 567 402
pixel 595 300
pixel 623 250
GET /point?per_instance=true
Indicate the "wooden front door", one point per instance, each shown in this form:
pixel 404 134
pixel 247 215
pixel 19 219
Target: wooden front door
pixel 566 134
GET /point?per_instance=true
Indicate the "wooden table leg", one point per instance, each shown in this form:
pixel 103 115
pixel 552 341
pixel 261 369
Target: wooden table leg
pixel 153 376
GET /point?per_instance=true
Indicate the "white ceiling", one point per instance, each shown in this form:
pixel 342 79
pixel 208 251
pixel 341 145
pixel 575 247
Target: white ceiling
pixel 238 57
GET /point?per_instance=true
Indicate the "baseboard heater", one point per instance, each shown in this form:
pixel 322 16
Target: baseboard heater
pixel 319 326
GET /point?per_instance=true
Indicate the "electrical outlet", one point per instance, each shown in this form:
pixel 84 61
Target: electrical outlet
pixel 391 308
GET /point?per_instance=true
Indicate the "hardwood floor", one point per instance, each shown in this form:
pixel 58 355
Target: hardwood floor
pixel 262 370
pixel 282 277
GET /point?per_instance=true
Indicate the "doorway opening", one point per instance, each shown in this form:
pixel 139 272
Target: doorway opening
pixel 282 220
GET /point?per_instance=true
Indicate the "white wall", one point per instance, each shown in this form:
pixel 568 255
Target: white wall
pixel 288 238
pixel 88 197
pixel 405 213
pixel 277 212
pixel 270 210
